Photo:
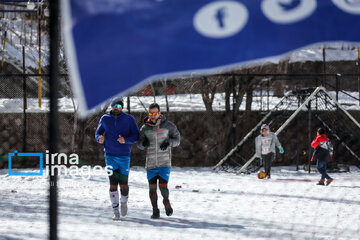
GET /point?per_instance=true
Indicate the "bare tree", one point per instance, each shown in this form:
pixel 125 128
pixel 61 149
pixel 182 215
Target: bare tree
pixel 208 91
pixel 249 98
pixel 228 91
pixel 164 82
pixel 238 87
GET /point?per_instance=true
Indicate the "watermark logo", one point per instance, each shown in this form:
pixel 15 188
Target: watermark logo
pixel 57 163
pixel 12 156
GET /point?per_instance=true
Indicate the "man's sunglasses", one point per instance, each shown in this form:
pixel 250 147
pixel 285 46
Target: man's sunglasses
pixel 153 114
pixel 116 106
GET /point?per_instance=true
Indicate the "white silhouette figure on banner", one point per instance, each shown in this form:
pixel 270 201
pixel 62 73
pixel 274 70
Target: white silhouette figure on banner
pixel 349 6
pixel 220 19
pixel 288 11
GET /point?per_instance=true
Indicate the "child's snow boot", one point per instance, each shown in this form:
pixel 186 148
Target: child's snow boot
pixel 321 182
pixel 328 181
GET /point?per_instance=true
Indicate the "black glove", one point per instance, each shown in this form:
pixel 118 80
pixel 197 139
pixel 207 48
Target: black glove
pixel 165 145
pixel 146 142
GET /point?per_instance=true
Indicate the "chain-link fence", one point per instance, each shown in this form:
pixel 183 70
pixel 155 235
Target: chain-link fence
pixel 24 114
pixel 212 113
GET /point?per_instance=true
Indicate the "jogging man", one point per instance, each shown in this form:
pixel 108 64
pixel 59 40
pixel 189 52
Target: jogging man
pixel 117 131
pixel 265 147
pixel 157 136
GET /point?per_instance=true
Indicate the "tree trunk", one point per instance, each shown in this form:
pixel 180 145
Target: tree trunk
pixel 207 94
pixel 166 96
pixel 249 98
pixel 228 90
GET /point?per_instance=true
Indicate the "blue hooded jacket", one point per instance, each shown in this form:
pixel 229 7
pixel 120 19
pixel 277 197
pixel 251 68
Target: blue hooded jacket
pixel 111 127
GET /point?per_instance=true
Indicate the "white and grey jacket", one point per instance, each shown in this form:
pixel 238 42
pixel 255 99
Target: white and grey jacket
pixel 274 142
pixel 157 134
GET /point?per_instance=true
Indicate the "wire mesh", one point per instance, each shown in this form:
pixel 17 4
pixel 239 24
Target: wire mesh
pixel 339 123
pixel 213 113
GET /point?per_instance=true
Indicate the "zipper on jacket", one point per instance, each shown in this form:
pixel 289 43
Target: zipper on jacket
pixel 156 146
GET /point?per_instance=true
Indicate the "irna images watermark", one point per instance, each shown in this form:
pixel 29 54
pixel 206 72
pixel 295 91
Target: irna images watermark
pixel 63 164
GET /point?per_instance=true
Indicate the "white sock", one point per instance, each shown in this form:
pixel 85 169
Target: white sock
pixel 124 199
pixel 114 198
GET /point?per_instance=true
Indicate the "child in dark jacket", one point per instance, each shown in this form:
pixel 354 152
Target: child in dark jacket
pixel 323 154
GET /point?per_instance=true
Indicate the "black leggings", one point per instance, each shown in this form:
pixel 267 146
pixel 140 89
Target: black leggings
pixel 268 158
pixel 120 179
pixel 153 190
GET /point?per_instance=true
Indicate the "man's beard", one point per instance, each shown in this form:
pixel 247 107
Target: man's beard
pixel 116 112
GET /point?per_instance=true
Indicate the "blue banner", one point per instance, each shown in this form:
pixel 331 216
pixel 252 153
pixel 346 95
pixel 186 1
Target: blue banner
pixel 113 46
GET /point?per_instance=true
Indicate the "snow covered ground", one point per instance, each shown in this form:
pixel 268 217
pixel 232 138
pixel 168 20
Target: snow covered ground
pixel 208 205
pixel 177 103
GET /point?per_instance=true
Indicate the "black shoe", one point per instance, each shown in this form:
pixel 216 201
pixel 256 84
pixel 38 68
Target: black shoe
pixel 329 180
pixel 156 213
pixel 321 182
pixel 168 209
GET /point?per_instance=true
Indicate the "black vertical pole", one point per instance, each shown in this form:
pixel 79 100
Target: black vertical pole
pixel 39 38
pixel 325 79
pixel 309 134
pixel 233 120
pixel 268 94
pixel 261 98
pixel 358 62
pixel 128 104
pixel 316 96
pixel 53 116
pixel 24 100
pixel 337 87
pixel 297 137
pixel 316 102
pixel 324 66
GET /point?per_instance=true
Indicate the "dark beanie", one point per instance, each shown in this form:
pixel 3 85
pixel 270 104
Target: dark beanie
pixel 117 101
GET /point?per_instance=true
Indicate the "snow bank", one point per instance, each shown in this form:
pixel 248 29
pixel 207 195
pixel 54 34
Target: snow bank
pixel 316 54
pixel 15 105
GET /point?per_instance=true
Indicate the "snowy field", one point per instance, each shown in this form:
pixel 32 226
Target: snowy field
pixel 208 205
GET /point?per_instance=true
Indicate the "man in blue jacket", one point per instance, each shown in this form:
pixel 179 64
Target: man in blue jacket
pixel 117 131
